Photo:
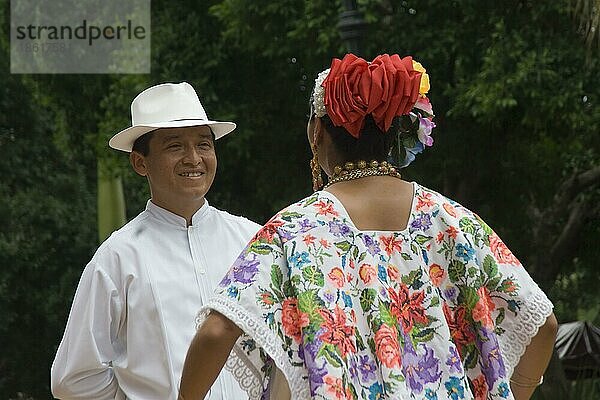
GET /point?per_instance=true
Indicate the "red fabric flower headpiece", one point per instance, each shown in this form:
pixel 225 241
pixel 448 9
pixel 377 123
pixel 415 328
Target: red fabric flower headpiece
pixel 385 88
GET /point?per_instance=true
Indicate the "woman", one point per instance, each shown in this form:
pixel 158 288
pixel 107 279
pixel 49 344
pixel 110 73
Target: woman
pixel 374 287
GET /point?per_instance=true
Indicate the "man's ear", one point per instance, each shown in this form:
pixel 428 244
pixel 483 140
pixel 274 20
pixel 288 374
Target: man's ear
pixel 138 162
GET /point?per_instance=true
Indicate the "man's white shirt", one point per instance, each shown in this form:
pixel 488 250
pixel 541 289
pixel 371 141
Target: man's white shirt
pixel 133 315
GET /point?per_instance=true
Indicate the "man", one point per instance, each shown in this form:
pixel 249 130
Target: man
pixel 133 315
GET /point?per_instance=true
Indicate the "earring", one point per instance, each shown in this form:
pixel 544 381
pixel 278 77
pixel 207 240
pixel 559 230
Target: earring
pixel 315 168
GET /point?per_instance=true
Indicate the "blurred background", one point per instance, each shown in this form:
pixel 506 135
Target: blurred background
pixel 515 87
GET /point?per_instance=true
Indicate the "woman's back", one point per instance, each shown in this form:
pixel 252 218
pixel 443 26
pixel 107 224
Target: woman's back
pixel 379 203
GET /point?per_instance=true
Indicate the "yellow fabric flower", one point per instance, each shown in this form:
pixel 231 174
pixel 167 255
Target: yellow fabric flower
pixel 424 88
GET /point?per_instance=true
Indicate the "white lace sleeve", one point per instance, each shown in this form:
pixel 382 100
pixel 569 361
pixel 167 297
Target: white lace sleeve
pixel 246 364
pixel 519 331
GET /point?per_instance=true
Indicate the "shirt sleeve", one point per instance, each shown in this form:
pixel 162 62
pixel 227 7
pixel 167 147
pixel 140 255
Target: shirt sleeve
pixel 82 368
pixel 494 288
pixel 251 295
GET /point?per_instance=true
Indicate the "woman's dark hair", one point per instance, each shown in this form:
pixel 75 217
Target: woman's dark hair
pixel 373 143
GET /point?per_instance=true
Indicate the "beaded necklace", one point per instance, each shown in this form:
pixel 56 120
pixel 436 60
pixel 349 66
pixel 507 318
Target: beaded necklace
pixel 361 169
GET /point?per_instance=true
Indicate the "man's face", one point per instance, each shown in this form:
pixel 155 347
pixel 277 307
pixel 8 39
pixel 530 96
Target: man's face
pixel 180 166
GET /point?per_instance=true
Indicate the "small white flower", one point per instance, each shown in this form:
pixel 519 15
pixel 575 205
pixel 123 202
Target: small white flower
pixel 319 94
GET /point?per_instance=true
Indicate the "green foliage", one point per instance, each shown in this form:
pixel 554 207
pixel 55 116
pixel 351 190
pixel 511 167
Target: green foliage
pixel 48 233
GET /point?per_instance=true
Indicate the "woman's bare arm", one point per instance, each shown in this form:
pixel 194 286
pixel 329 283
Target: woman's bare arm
pixel 534 361
pixel 206 356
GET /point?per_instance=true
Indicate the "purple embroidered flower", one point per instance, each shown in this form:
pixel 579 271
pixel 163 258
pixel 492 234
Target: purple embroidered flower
pixel 308 352
pixel 352 367
pixel 454 361
pixel 491 361
pixel 450 293
pixel 338 229
pixel 423 222
pixel 315 376
pixel 372 246
pixel 367 368
pixel 420 369
pixel 306 225
pixel 328 296
pixel 244 270
pixel 312 347
pixel 284 235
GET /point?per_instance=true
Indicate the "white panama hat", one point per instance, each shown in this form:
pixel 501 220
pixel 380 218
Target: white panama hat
pixel 169 105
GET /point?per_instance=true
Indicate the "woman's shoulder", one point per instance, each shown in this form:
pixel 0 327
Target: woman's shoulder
pixel 430 199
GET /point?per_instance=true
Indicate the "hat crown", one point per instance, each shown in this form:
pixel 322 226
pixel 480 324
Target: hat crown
pixel 167 102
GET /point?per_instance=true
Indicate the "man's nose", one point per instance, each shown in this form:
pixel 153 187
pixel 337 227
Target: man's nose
pixel 192 155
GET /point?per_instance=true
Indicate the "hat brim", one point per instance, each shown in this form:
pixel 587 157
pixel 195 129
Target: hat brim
pixel 124 140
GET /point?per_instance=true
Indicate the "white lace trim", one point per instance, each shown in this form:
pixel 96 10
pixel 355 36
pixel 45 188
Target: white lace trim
pixel 532 315
pixel 247 375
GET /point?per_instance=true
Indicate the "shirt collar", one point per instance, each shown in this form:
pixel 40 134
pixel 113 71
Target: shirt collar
pixel 171 218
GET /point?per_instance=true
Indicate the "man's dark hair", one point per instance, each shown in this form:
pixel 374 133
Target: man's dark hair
pixel 142 144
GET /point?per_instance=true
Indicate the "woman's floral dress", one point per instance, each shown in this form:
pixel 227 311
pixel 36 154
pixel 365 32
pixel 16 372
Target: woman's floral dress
pixel 440 310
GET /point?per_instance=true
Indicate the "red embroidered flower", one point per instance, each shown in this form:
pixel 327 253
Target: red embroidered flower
pixel 325 208
pixel 308 239
pixel 268 230
pixel 335 387
pixel 508 286
pixel 324 243
pixel 461 331
pixel 501 252
pixel 293 320
pixel 367 273
pixel 452 232
pixel 337 332
pixel 424 202
pixel 482 312
pixel 480 388
pixel 440 237
pixel 449 209
pixel 436 274
pixel 393 272
pixel 391 244
pixel 387 347
pixel 267 298
pixel 407 308
pixel 386 88
pixel 337 278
